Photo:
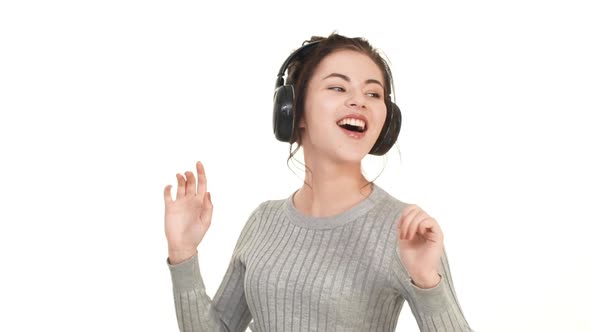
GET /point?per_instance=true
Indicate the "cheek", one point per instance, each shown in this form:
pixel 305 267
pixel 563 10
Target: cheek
pixel 320 111
pixel 315 118
pixel 380 116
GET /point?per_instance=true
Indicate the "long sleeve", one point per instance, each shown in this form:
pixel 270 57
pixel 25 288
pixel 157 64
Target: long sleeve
pixel 292 272
pixel 228 311
pixel 435 309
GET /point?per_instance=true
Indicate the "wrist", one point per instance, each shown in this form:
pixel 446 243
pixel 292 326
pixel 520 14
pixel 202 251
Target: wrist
pixel 427 280
pixel 177 256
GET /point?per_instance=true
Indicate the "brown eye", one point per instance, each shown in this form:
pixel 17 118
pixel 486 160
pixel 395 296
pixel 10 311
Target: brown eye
pixel 336 88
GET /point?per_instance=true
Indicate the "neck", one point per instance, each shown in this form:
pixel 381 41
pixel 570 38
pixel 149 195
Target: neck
pixel 331 188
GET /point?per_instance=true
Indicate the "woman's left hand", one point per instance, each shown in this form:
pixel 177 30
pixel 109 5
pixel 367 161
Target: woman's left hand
pixel 420 246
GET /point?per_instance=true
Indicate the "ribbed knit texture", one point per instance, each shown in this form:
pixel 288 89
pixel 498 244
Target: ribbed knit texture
pixel 292 272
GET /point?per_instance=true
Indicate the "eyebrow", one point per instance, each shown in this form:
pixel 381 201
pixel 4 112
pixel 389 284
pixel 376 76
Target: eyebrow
pixel 347 79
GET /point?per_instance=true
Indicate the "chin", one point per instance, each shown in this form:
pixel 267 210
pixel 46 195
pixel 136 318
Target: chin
pixel 350 156
pixel 339 152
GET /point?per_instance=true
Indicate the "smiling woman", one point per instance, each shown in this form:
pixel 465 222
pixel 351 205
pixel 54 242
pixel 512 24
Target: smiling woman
pixel 340 253
pixel 345 86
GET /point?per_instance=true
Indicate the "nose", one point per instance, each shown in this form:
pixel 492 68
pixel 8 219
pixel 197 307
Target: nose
pixel 356 100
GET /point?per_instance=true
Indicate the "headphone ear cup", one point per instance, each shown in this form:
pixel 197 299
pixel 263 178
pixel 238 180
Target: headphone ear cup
pixel 389 132
pixel 283 116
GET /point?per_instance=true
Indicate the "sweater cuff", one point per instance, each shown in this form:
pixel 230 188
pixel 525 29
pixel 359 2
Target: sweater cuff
pixel 432 300
pixel 186 275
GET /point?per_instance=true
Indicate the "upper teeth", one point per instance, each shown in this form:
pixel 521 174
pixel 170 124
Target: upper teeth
pixel 353 122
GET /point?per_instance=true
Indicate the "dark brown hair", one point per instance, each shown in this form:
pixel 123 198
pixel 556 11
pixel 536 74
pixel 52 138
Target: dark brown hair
pixel 302 68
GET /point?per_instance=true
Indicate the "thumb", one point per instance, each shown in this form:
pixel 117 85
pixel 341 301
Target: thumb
pixel 208 207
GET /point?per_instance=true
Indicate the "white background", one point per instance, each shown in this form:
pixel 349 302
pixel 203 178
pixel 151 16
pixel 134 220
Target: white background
pixel 103 102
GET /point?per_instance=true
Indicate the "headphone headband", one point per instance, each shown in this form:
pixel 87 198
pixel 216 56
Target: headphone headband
pixel 284 111
pixel 306 47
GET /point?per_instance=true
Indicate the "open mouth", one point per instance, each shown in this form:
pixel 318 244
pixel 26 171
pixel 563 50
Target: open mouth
pixel 354 125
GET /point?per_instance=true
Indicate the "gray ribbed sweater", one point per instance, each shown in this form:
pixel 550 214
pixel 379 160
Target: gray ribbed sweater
pixel 292 272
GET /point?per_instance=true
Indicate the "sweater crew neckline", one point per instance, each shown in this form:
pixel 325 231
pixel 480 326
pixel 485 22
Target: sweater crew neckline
pixel 298 218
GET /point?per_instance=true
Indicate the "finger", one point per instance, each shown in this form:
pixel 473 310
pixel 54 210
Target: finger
pixel 180 191
pixel 167 195
pixel 430 230
pixel 408 220
pixel 413 228
pixel 190 183
pixel 403 218
pixel 424 228
pixel 202 180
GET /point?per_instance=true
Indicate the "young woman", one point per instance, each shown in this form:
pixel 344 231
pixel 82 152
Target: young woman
pixel 340 253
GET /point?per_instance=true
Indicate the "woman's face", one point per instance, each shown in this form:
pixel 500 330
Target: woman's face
pixel 346 85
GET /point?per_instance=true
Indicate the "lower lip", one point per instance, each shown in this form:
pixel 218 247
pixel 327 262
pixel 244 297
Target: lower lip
pixel 353 134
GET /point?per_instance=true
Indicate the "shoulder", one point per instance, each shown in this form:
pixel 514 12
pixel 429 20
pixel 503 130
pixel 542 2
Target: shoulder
pixel 257 215
pixel 391 203
pixel 269 207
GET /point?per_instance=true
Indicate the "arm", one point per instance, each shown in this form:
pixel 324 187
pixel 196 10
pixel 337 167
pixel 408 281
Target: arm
pixel 228 311
pixel 422 273
pixel 195 311
pixel 436 308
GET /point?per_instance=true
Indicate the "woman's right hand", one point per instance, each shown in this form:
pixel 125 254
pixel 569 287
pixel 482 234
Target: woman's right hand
pixel 188 217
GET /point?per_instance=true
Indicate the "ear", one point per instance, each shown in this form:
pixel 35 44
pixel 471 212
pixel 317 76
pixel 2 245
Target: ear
pixel 302 123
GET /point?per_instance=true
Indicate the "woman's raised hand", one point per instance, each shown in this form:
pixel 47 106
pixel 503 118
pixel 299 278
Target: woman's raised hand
pixel 188 217
pixel 421 245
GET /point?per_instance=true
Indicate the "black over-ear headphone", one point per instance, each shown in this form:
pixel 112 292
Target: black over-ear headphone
pixel 284 114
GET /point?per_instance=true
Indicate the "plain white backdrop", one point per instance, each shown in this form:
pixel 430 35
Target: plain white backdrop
pixel 101 103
